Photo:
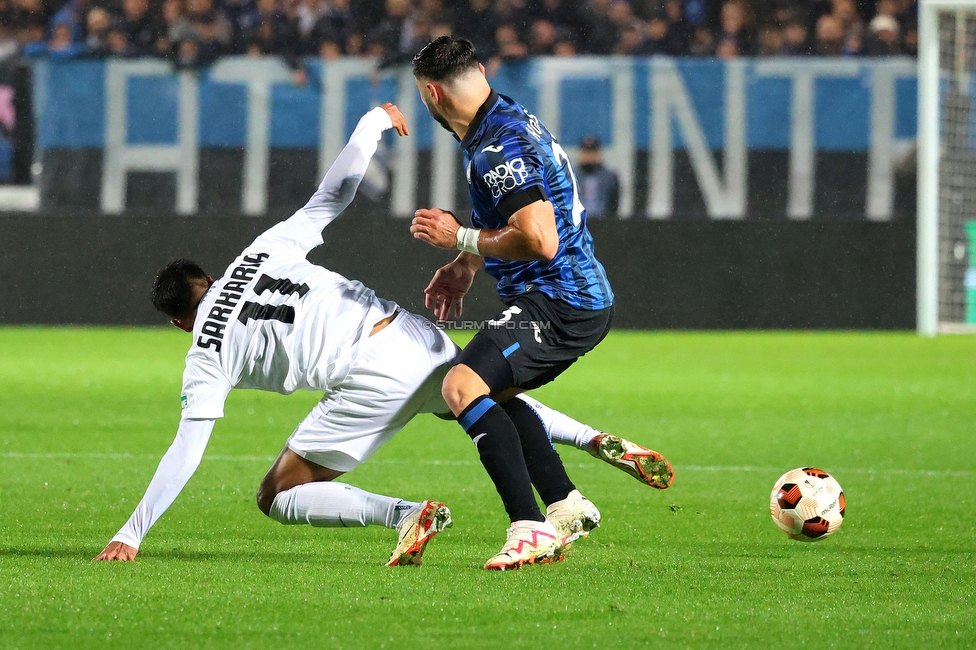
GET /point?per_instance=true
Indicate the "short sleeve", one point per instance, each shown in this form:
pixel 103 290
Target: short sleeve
pixel 205 388
pixel 512 170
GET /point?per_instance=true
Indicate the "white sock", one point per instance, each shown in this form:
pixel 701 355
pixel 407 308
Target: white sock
pixel 337 505
pixel 562 428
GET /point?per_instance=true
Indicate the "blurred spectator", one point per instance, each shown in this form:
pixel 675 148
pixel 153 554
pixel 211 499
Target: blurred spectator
pixel 600 34
pixel 565 47
pixel 887 8
pixel 476 21
pixel 513 12
pixel 236 13
pixel 62 41
pixel 73 14
pixel 695 11
pixel 910 40
pixel 507 43
pixel 779 12
pixel 845 11
pixel 173 27
pixel 727 48
pixel 206 16
pixel 543 38
pixel 829 36
pixel 118 42
pixel 204 36
pixel 267 30
pixel 796 39
pixel 702 42
pixel 404 31
pixel 390 33
pixel 567 16
pixel 330 35
pixel 770 40
pixel 631 38
pixel 735 36
pixel 8 38
pixel 622 14
pixel 202 30
pixel 508 48
pixel 29 20
pixel 884 39
pixel 679 29
pixel 599 186
pixel 141 30
pixel 655 34
pixel 98 23
pixel 306 14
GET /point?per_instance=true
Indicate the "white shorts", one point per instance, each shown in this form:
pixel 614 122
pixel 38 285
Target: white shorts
pixel 397 375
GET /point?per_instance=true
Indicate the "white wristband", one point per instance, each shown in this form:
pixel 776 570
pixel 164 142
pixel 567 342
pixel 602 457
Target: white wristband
pixel 467 239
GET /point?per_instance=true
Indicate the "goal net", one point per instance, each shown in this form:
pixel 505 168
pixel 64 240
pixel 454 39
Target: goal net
pixel 947 167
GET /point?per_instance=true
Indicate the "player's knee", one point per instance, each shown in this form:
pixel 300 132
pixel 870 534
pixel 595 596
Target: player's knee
pixel 265 497
pixel 454 389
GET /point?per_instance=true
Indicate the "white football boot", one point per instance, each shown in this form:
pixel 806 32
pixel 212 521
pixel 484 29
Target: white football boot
pixel 416 529
pixel 528 542
pixel 646 465
pixel 573 517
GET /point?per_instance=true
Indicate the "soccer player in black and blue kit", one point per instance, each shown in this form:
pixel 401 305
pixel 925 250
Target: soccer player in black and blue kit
pixel 530 234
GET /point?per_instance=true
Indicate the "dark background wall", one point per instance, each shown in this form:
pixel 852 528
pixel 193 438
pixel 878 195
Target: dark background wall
pixel 666 274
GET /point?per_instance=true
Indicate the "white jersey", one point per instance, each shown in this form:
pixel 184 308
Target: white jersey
pixel 276 322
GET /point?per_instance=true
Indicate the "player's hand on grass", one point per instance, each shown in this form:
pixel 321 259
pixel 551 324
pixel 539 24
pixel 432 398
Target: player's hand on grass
pixel 399 122
pixel 118 551
pixel 446 290
pixel 436 227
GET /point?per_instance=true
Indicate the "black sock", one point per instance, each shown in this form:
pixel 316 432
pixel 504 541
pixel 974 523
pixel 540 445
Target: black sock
pixel 545 467
pixel 500 450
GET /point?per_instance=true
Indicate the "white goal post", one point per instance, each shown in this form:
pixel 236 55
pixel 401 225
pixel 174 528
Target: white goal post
pixel 946 166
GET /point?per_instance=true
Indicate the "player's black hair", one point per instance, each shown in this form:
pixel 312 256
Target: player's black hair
pixel 172 291
pixel 445 58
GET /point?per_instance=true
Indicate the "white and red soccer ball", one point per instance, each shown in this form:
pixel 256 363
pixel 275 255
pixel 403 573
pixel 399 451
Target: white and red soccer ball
pixel 807 504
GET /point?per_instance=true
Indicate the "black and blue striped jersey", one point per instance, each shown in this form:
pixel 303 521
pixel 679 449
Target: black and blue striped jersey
pixel 510 161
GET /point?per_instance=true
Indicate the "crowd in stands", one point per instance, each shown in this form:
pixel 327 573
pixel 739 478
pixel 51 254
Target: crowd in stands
pixel 196 32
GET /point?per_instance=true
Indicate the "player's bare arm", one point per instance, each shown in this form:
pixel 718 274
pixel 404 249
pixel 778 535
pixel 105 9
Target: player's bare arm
pixel 450 284
pixel 531 233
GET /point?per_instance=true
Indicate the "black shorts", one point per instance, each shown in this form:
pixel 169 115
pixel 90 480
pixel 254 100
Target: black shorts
pixel 533 342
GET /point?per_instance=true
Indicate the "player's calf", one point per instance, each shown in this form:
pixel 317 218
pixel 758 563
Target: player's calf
pixel 288 471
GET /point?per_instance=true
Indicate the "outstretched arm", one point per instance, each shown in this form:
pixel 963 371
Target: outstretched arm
pixel 339 186
pixel 175 469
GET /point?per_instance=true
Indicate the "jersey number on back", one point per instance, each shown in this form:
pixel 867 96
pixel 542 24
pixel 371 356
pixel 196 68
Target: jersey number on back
pixel 282 313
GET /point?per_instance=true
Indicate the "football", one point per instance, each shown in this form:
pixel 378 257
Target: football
pixel 807 504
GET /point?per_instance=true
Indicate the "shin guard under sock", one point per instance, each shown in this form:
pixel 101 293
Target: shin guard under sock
pixel 543 463
pixel 500 449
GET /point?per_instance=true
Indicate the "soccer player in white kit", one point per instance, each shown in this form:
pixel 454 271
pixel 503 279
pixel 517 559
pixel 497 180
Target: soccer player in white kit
pixel 277 322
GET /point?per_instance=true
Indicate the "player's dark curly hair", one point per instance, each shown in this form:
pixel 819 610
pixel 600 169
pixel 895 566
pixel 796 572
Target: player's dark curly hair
pixel 444 58
pixel 172 291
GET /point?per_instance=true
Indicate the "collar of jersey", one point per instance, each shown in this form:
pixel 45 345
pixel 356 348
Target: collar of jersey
pixel 479 118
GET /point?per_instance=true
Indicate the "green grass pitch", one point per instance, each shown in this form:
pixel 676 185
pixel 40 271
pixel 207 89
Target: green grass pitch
pixel 85 415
